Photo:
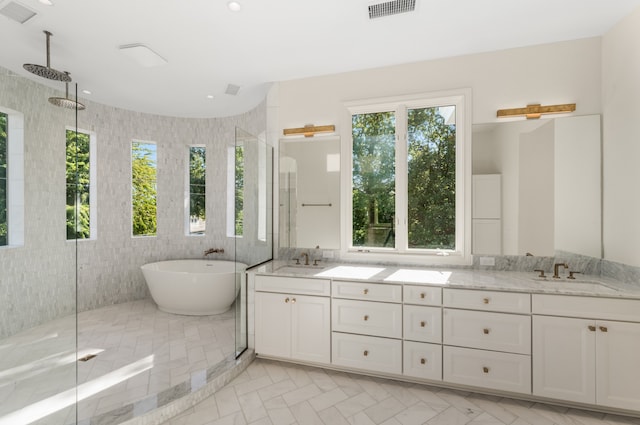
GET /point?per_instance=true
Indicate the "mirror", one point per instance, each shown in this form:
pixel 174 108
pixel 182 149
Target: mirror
pixel 537 187
pixel 309 185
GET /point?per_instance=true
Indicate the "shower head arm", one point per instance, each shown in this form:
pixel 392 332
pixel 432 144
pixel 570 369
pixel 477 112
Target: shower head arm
pixel 48 48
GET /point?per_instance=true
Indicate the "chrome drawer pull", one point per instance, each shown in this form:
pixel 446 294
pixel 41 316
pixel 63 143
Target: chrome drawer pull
pixel 486 331
pixel 423 324
pixel 286 300
pixel 485 369
pixel 366 317
pixel 603 329
pixel 293 301
pixel 423 361
pixel 366 353
pixel 592 328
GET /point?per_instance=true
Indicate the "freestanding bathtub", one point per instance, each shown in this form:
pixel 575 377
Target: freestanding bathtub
pixel 193 287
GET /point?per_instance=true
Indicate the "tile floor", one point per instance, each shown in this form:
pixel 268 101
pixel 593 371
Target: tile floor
pixel 141 351
pixel 274 393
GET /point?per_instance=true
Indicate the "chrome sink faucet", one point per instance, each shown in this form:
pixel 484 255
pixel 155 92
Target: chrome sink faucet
pixel 555 269
pixel 306 258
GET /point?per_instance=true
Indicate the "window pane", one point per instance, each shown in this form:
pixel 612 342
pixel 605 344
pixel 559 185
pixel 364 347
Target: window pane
pixel 432 177
pixel 4 231
pixel 373 179
pixel 143 188
pixel 77 171
pixel 197 190
pixel 239 192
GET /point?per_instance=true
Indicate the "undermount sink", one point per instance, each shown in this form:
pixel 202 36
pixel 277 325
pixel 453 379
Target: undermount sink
pixel 573 284
pixel 300 269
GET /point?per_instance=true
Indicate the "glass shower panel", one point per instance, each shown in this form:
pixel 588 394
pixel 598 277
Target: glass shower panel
pixel 38 282
pixel 253 171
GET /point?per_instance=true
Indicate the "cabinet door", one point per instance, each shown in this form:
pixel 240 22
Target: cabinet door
pixel 617 367
pixel 273 324
pixel 564 358
pixel 311 328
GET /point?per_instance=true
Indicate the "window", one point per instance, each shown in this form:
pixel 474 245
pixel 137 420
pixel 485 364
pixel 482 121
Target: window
pixel 235 191
pixel 197 191
pixel 408 175
pixel 4 226
pixel 11 177
pixel 80 176
pixel 143 188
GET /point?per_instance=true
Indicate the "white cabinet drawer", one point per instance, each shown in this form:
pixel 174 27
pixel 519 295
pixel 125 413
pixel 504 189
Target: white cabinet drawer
pixel 422 360
pixel 489 331
pixel 587 307
pixel 487 369
pixel 293 285
pixel 367 352
pixel 367 291
pixel 366 317
pixel 422 324
pixel 508 302
pixel 422 295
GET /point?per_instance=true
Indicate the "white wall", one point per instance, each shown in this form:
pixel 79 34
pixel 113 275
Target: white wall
pixel 554 73
pixel 621 141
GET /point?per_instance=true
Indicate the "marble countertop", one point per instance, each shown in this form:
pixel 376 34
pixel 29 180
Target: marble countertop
pixel 584 285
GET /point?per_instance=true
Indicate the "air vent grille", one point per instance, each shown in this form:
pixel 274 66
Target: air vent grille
pixel 232 89
pixel 17 12
pixel 391 8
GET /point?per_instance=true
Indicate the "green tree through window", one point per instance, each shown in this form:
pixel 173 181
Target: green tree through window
pixel 143 188
pixel 4 229
pixel 239 191
pixel 197 190
pixel 78 185
pixel 404 187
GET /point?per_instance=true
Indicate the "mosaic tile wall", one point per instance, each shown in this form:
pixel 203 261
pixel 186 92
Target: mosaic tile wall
pixel 38 280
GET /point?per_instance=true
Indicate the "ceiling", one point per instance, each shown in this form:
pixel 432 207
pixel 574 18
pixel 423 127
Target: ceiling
pixel 207 46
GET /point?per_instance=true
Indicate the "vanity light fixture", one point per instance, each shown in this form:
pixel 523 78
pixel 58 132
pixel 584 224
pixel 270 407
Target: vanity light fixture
pixel 535 111
pixel 309 130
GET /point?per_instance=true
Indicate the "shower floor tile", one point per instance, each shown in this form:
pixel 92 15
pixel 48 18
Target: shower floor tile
pixel 140 351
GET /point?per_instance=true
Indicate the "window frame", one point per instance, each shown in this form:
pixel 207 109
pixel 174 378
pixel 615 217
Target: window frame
pixel 93 191
pixel 15 178
pixel 461 255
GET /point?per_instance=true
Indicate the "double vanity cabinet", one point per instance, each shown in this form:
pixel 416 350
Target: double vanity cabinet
pixel 567 348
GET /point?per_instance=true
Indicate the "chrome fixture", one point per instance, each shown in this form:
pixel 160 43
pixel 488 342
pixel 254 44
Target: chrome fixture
pixel 213 251
pixel 555 269
pixel 66 101
pixel 47 71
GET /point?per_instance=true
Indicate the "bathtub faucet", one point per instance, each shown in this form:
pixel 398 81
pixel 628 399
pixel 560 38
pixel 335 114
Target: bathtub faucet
pixel 214 251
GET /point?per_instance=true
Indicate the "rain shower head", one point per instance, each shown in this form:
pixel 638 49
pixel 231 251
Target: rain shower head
pixel 47 71
pixel 66 102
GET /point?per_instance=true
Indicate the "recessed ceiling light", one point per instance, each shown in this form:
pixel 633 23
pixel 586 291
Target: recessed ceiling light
pixel 85 91
pixel 46 2
pixel 234 6
pixel 209 96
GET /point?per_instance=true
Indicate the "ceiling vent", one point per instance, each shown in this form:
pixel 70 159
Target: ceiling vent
pixel 17 12
pixel 232 89
pixel 391 8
